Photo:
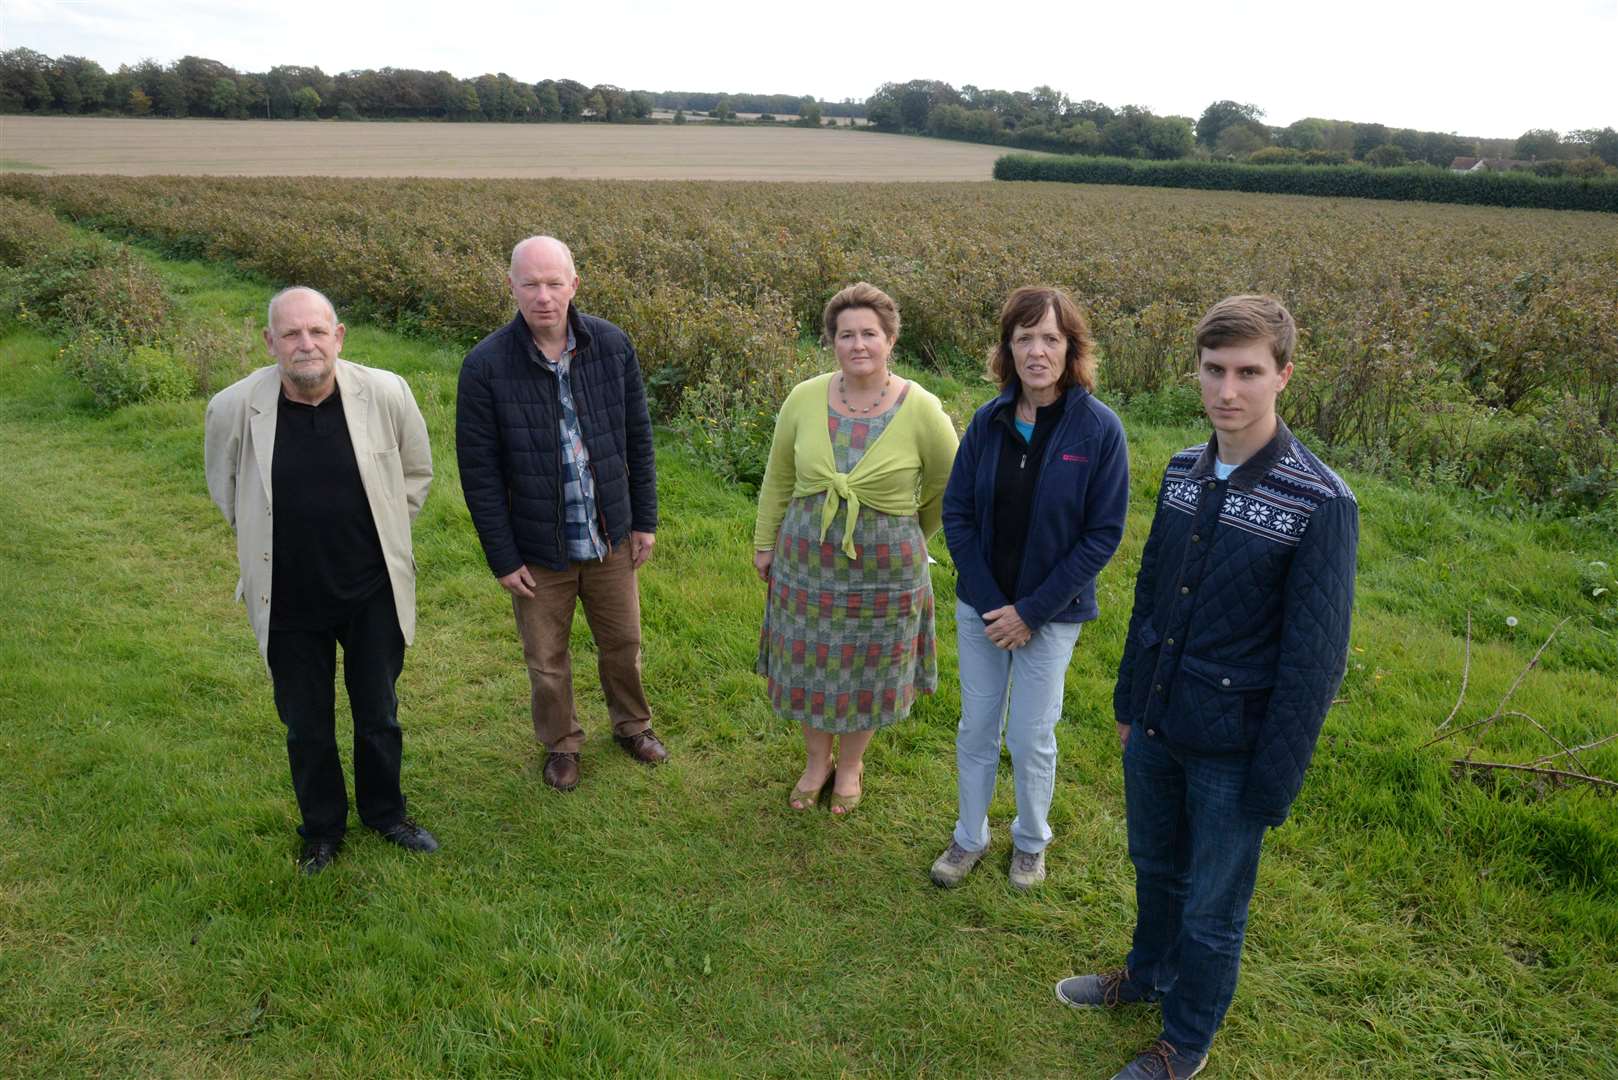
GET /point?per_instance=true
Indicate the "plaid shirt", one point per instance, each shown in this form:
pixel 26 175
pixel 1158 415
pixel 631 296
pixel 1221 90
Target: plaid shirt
pixel 582 526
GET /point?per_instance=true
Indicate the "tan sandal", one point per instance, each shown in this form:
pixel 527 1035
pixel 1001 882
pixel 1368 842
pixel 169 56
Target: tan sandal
pixel 843 805
pixel 809 797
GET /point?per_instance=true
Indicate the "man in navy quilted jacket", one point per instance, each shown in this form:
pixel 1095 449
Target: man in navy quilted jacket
pixel 554 442
pixel 1237 644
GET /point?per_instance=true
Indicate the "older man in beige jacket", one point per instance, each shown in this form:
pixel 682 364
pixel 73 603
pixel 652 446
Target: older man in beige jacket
pixel 320 466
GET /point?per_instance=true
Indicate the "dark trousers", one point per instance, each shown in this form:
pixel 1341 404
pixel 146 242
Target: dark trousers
pixel 1196 853
pixel 303 667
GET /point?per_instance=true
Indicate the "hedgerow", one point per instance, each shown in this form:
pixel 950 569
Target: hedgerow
pixel 1413 184
pixel 122 342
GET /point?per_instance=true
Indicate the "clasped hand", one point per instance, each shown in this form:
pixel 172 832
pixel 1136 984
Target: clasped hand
pixel 1005 628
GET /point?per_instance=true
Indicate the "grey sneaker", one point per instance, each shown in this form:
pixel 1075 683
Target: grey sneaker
pixel 1107 990
pixel 1162 1062
pixel 951 868
pixel 1027 869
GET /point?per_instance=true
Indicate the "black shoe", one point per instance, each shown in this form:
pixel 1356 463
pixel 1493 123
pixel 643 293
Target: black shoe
pixel 410 836
pixel 316 856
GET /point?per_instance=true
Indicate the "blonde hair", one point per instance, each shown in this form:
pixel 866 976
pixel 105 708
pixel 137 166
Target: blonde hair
pixel 861 294
pixel 1238 320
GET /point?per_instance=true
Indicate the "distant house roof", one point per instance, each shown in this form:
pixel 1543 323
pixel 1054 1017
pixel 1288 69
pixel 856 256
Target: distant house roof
pixel 1471 164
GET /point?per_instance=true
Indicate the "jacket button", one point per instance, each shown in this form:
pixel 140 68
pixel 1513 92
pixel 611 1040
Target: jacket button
pixel 1151 731
pixel 1196 538
pixel 264 599
pixel 1224 682
pixel 266 556
pixel 1209 485
pixel 1184 589
pixel 1169 642
pixel 1158 688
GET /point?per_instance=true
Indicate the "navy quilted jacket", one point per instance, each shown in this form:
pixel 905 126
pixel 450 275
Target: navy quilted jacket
pixel 508 442
pixel 1239 635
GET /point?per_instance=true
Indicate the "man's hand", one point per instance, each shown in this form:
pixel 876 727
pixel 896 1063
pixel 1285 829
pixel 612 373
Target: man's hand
pixel 1005 628
pixel 762 561
pixel 1123 734
pixel 519 583
pixel 640 548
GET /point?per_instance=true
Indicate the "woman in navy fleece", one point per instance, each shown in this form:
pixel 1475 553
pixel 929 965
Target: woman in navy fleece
pixel 1034 509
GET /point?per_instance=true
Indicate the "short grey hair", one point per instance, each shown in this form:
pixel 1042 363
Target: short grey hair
pixel 547 240
pixel 269 312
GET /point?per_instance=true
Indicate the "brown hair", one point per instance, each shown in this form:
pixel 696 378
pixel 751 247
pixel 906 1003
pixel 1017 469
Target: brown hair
pixel 1026 307
pixel 861 294
pixel 1240 320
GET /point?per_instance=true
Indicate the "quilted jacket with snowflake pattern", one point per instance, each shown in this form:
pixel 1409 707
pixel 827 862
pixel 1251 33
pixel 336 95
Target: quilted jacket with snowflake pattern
pixel 1239 635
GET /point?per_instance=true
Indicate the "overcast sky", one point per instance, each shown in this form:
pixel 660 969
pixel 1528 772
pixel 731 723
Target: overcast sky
pixel 1481 68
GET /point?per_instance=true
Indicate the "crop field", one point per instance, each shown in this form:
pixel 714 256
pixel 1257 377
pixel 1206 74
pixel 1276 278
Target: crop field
pixel 1415 918
pixel 694 151
pixel 1460 344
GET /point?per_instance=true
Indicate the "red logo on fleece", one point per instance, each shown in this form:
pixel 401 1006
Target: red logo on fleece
pixel 1076 457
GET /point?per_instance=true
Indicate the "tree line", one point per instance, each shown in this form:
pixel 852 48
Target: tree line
pixel 1233 131
pixel 1038 119
pixel 1047 119
pixel 31 82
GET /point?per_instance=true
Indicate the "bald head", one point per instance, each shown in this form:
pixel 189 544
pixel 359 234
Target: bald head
pixel 305 338
pixel 297 291
pixel 543 282
pixel 543 249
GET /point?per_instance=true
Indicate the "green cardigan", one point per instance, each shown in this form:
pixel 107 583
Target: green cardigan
pixel 903 472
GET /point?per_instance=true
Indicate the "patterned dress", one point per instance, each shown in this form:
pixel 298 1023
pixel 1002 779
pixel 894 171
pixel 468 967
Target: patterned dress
pixel 848 643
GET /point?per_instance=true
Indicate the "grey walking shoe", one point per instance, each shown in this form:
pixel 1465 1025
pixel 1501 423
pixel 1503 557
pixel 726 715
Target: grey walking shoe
pixel 1027 869
pixel 1107 990
pixel 951 868
pixel 1162 1062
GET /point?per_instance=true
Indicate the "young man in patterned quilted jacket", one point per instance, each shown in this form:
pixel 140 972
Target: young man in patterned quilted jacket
pixel 1237 644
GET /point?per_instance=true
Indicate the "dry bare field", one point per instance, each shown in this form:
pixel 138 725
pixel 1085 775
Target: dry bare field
pixel 130 147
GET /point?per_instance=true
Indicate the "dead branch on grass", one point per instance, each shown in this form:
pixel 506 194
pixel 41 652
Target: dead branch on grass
pixel 1559 774
pixel 1466 673
pixel 1557 777
pixel 1585 746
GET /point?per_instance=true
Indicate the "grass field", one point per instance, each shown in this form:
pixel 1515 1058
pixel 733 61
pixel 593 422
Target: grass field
pixel 589 151
pixel 679 922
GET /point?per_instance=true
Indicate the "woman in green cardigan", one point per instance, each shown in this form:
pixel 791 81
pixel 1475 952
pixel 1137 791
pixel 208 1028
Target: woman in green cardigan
pixel 852 492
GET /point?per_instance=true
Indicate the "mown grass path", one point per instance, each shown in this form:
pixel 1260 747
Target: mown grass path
pixel 680 922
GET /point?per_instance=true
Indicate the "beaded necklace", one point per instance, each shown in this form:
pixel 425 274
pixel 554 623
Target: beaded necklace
pixel 842 395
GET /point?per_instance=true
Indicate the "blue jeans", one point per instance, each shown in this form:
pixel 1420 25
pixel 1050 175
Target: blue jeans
pixel 1030 681
pixel 1195 852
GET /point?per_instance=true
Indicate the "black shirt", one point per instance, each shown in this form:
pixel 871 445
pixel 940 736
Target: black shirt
pixel 1014 481
pixel 327 554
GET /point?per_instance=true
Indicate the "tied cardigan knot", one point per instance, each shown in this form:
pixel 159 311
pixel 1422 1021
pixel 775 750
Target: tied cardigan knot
pixel 837 487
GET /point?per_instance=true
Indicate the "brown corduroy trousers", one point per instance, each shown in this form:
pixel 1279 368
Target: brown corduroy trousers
pixel 611 600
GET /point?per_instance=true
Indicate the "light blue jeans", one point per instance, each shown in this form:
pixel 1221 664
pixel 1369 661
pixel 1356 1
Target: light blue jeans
pixel 1018 691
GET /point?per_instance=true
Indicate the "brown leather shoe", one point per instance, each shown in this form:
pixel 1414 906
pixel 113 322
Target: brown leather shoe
pixel 645 747
pixel 562 770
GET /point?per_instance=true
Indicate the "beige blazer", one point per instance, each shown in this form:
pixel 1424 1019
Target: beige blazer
pixel 390 448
